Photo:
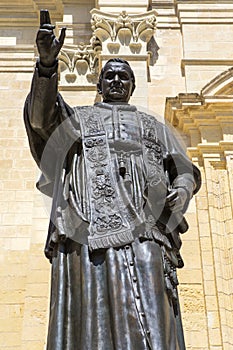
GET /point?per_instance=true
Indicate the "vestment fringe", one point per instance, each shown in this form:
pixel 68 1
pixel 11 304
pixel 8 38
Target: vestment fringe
pixel 111 240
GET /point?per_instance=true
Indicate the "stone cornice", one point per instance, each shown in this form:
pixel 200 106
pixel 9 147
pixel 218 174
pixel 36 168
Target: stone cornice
pixel 186 109
pixel 209 125
pixel 204 62
pixel 209 151
pixel 18 58
pixel 181 102
pixel 166 14
pixel 197 12
pixel 26 13
pixel 164 4
pixel 138 6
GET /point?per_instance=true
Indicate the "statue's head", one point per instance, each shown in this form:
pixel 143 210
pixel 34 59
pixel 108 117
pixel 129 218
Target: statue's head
pixel 116 81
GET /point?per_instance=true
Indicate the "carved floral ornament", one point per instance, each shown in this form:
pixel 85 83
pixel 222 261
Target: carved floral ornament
pixel 80 60
pixel 112 34
pixel 123 29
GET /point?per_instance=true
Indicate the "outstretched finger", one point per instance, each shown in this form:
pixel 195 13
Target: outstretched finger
pixel 44 18
pixel 62 36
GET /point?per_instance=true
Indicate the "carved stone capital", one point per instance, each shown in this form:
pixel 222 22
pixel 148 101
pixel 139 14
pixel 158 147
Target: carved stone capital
pixel 123 33
pixel 79 63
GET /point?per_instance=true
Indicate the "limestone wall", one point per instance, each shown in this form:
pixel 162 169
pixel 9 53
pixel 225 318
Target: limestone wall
pixel 183 73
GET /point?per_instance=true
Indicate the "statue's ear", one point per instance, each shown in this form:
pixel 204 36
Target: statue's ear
pixel 133 88
pixel 99 90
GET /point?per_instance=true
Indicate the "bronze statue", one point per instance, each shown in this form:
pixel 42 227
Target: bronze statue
pixel 120 184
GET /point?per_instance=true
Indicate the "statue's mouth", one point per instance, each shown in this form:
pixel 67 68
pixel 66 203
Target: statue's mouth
pixel 118 89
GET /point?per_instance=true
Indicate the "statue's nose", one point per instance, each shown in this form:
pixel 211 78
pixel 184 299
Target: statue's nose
pixel 116 77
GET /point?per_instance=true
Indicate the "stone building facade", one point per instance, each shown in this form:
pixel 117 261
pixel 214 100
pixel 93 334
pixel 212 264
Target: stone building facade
pixel 182 55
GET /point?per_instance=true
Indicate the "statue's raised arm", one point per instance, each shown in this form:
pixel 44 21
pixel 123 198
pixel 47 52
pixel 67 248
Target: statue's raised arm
pixel 44 108
pixel 41 106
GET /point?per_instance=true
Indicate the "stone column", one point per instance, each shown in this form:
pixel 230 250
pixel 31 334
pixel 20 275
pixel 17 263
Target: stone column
pixel 208 122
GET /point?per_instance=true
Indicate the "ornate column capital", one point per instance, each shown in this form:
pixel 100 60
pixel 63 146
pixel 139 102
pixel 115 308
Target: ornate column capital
pixel 79 64
pixel 123 33
pixel 113 35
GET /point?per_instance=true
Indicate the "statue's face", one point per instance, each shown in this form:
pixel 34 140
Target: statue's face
pixel 117 84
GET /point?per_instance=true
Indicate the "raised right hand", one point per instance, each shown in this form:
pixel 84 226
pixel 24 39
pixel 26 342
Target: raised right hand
pixel 48 45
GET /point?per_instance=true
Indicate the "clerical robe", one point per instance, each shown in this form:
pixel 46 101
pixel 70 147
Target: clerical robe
pixel 108 168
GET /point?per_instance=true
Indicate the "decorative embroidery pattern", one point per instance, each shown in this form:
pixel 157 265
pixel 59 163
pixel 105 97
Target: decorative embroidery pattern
pixel 108 226
pixel 152 150
pixel 111 222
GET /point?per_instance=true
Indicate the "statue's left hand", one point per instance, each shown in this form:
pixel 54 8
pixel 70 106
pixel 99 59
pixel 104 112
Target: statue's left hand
pixel 48 45
pixel 176 199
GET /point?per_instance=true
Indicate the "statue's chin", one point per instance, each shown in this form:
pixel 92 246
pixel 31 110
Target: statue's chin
pixel 115 100
pixel 116 96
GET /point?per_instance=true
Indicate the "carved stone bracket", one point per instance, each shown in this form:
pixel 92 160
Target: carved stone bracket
pixel 120 35
pixel 123 33
pixel 79 63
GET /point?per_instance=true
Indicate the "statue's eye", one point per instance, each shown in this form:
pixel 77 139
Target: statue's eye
pixel 109 76
pixel 124 76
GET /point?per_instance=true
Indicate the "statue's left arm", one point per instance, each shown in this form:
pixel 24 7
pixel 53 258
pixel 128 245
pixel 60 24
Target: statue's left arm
pixel 183 177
